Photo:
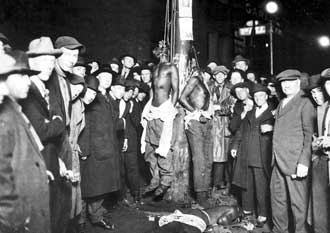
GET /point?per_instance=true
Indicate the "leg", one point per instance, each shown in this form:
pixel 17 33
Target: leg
pixel 218 173
pixel 248 193
pixel 208 152
pixel 132 172
pixel 298 192
pixel 261 185
pixel 279 201
pixel 95 209
pixel 151 158
pixel 166 169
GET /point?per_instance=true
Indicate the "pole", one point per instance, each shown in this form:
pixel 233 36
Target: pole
pixel 271 45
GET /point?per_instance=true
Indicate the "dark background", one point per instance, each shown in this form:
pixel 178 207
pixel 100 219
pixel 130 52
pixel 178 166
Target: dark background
pixel 110 28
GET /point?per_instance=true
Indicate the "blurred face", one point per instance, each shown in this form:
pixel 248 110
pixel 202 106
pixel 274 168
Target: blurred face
pixel 241 65
pixel 128 62
pixel 220 77
pixel 89 96
pixel 241 93
pixel 94 66
pixel 76 90
pixel 18 85
pixel 146 76
pixel 105 80
pixel 251 77
pixel 290 87
pixel 118 91
pixel 135 92
pixel 3 90
pixel 141 96
pixel 128 95
pixel 236 78
pixel 260 98
pixel 136 76
pixel 68 58
pixel 45 64
pixel 115 67
pixel 79 70
pixel 317 95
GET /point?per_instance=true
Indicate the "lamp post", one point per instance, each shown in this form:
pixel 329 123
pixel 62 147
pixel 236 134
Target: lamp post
pixel 271 8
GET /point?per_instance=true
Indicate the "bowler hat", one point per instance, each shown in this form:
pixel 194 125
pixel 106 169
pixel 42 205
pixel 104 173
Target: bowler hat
pixel 20 66
pixel 314 81
pixel 76 79
pixel 118 81
pixel 128 55
pixel 136 69
pixel 144 88
pixel 258 87
pixel 222 69
pixel 240 58
pixel 105 69
pixel 289 74
pixel 42 46
pixel 92 82
pixel 69 42
pixel 130 84
pixel 239 85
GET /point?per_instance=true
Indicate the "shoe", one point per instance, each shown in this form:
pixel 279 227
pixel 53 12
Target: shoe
pixel 161 190
pixel 148 191
pixel 104 224
pixel 81 228
pixel 261 220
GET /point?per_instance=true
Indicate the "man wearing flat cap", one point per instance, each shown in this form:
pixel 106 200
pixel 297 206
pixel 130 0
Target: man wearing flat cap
pixel 292 143
pixel 253 143
pixel 319 217
pixel 24 192
pixel 49 126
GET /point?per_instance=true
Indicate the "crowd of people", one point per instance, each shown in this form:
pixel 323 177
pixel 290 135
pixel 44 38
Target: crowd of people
pixel 74 131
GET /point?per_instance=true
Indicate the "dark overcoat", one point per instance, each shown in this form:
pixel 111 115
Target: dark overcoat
pixel 100 172
pixel 242 145
pixel 24 192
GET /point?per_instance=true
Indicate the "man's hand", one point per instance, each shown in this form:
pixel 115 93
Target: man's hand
pixel 50 176
pixel 266 128
pixel 324 141
pixel 233 153
pixel 62 167
pixel 125 145
pixel 302 170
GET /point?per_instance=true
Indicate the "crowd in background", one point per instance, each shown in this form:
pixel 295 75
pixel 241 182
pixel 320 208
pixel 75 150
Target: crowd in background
pixel 70 134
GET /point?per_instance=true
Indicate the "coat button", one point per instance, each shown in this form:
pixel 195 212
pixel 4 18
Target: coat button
pixel 37 164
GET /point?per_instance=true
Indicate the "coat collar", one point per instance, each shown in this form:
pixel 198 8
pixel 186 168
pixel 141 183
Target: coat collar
pixel 281 111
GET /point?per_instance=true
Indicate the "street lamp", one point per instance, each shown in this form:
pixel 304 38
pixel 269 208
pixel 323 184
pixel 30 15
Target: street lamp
pixel 324 41
pixel 271 8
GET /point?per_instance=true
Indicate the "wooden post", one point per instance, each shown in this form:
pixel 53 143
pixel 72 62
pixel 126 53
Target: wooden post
pixel 180 47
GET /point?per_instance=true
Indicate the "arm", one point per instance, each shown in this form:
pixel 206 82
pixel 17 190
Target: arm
pixel 175 84
pixel 192 82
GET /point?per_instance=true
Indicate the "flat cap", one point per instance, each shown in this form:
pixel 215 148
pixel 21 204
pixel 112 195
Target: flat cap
pixel 314 81
pixel 289 74
pixel 69 42
pixel 221 69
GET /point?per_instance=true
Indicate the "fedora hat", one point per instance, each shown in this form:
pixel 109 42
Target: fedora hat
pixel 42 46
pixel 20 66
pixel 289 74
pixel 314 81
pixel 240 58
pixel 92 82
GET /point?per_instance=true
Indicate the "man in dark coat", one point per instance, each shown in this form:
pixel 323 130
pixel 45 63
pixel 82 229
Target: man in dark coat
pixel 48 127
pixel 100 170
pixel 292 151
pixel 24 192
pixel 253 140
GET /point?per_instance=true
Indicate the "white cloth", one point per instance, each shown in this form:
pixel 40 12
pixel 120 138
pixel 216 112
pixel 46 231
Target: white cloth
pixel 166 112
pixel 188 219
pixel 195 115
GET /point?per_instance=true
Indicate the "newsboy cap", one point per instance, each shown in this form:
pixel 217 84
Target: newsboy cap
pixel 289 74
pixel 69 42
pixel 240 58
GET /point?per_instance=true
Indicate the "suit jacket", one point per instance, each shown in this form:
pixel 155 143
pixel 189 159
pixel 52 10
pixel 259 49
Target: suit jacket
pixel 293 130
pixel 243 143
pixel 49 131
pixel 24 192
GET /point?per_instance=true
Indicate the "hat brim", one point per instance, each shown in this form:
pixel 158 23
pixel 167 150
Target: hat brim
pixel 29 72
pixel 99 71
pixel 53 52
pixel 267 91
pixel 244 59
pixel 287 79
pixel 80 47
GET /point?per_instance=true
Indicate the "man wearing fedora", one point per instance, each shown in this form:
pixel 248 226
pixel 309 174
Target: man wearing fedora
pixel 49 127
pixel 241 63
pixel 128 62
pixel 292 144
pixel 24 193
pixel 320 198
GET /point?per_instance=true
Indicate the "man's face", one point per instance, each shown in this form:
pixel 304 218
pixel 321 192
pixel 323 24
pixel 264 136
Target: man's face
pixel 136 76
pixel 146 76
pixel 135 92
pixel 18 85
pixel 115 67
pixel 236 78
pixel 105 80
pixel 79 70
pixel 290 87
pixel 128 95
pixel 317 95
pixel 220 77
pixel 241 65
pixel 141 96
pixel 251 77
pixel 128 62
pixel 45 64
pixel 89 96
pixel 3 90
pixel 76 90
pixel 260 98
pixel 118 91
pixel 241 93
pixel 68 58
